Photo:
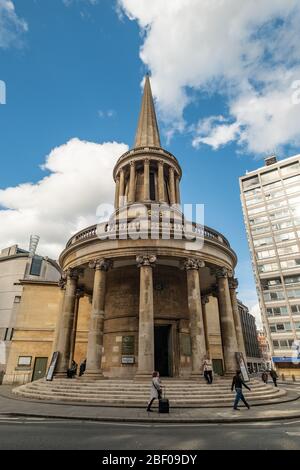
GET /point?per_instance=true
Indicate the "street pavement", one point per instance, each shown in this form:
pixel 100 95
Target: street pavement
pixel 35 425
pixel 10 405
pixel 52 434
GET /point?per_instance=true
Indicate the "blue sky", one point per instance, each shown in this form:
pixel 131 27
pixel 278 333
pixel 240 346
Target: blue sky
pixel 73 72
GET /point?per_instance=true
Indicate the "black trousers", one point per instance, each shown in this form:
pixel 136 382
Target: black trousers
pixel 274 381
pixel 208 376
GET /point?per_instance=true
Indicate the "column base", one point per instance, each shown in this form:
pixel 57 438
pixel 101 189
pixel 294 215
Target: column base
pixel 60 375
pixel 93 374
pixel 143 376
pixel 196 376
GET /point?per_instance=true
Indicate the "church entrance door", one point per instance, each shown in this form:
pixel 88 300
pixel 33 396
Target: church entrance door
pixel 163 350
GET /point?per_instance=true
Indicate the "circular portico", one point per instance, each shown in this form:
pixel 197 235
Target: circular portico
pixel 154 279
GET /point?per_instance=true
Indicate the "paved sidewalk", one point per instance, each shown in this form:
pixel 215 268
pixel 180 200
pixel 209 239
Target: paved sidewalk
pixel 12 406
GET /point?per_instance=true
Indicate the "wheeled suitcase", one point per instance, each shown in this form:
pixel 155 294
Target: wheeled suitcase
pixel 163 404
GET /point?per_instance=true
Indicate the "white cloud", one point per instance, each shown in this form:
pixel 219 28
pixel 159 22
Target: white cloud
pixel 106 114
pixel 255 311
pixel 249 51
pixel 214 131
pixel 63 202
pixel 11 26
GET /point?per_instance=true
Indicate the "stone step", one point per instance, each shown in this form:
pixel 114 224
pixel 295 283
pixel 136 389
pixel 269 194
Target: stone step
pixel 130 393
pixel 134 402
pixel 116 394
pixel 126 391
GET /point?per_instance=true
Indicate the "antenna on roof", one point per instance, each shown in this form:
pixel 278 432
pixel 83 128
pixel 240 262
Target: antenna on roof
pixel 34 240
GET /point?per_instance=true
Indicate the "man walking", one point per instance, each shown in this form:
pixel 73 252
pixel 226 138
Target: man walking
pixel 274 376
pixel 237 383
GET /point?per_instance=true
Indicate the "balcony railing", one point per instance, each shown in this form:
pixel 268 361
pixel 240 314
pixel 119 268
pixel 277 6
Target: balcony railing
pixel 198 231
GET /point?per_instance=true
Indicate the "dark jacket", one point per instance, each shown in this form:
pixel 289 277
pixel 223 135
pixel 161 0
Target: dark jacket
pixel 237 382
pixel 273 374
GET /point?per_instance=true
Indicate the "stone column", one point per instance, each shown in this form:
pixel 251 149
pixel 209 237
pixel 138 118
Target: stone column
pixel 96 327
pixel 172 185
pixel 122 186
pixel 117 195
pixel 79 294
pixel 131 194
pixel 66 324
pixel 229 340
pixel 233 284
pixel 177 190
pixel 146 317
pixel 161 182
pixel 62 285
pixel 146 179
pixel 204 301
pixel 196 318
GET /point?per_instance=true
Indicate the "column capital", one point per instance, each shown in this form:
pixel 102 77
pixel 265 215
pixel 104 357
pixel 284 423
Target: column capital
pixel 192 263
pixel 71 273
pixel 132 163
pixel 171 169
pixel 204 299
pixel 62 281
pixel 161 162
pixel 222 272
pixel 146 161
pixel 233 283
pixel 145 260
pixel 100 264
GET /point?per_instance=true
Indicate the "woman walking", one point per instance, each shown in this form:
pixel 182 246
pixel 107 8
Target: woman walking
pixel 155 391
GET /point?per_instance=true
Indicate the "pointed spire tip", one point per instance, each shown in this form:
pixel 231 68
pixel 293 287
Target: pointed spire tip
pixel 147 134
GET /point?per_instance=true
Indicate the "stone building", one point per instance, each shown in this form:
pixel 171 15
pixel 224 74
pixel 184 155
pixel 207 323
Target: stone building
pixel 18 266
pixel 254 357
pixel 133 300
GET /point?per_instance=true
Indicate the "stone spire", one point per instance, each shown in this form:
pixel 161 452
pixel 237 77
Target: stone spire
pixel 147 134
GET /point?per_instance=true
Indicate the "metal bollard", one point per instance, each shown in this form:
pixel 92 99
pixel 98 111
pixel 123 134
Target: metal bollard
pixel 294 378
pixel 283 377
